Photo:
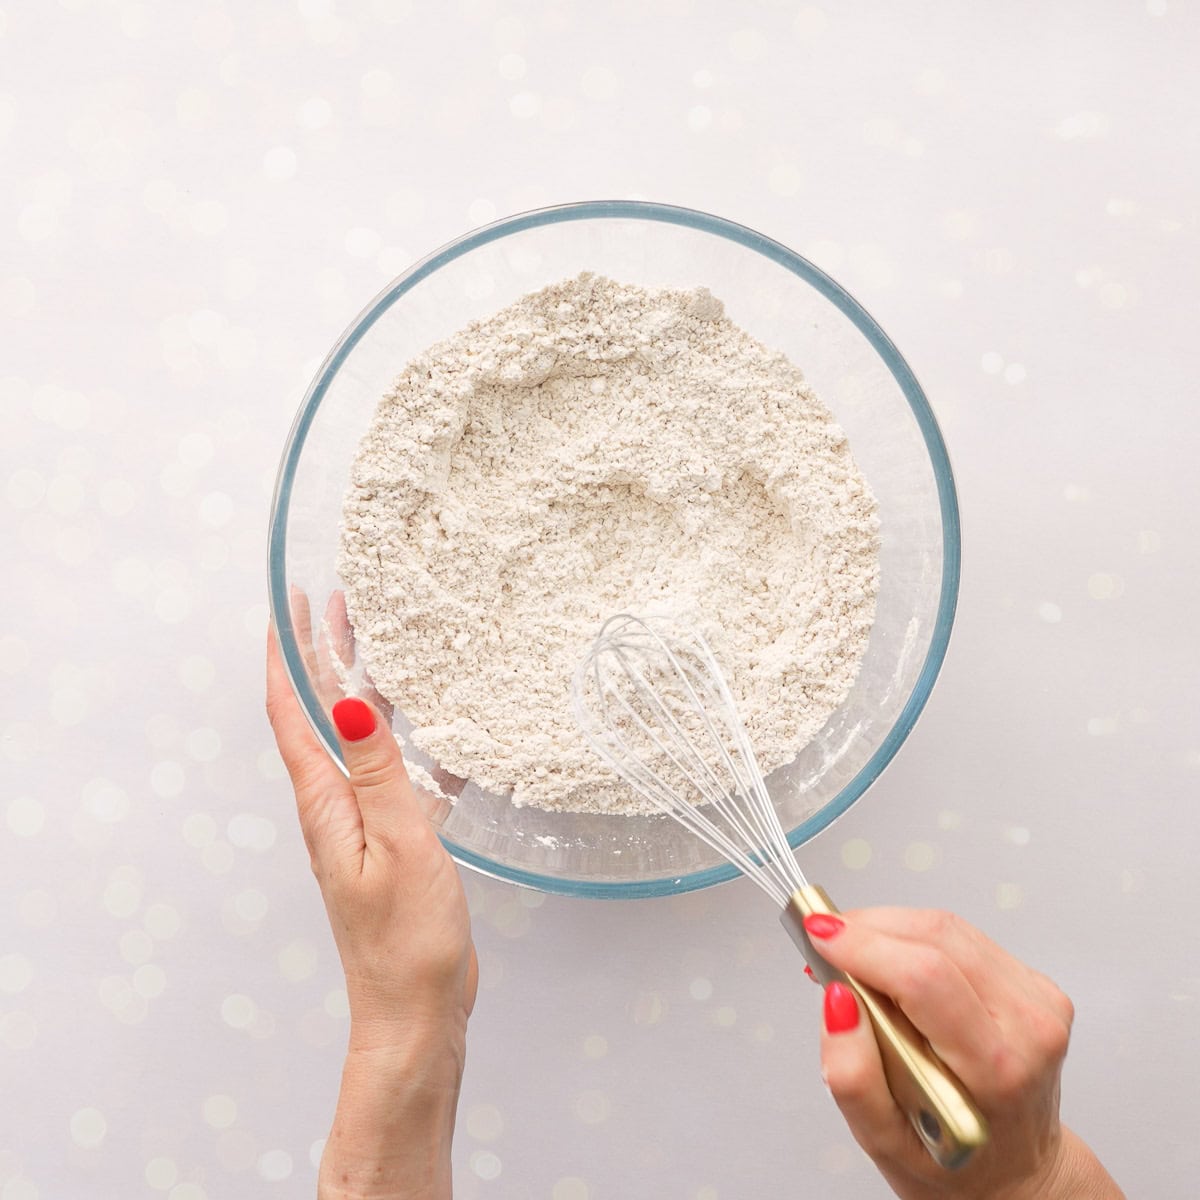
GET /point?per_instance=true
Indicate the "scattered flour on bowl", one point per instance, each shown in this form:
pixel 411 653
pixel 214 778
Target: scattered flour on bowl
pixel 593 448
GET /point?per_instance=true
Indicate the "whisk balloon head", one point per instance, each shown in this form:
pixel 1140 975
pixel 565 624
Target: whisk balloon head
pixel 651 700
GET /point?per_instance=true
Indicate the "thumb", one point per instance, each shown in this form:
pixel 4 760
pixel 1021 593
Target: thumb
pixel 377 774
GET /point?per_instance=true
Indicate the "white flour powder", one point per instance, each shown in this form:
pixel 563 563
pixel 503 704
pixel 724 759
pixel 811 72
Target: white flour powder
pixel 593 448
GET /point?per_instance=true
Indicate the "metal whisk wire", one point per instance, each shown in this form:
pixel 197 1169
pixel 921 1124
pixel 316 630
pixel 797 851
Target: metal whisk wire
pixel 633 692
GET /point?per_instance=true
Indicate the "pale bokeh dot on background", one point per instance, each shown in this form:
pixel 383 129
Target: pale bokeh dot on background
pixel 315 113
pixel 1009 896
pixel 161 921
pixel 149 980
pixel 337 1004
pixel 1102 726
pixel 992 363
pixel 39 908
pixel 707 1192
pixel 161 1173
pixel 238 1011
pixel 511 67
pixel 725 1016
pixel 88 1127
pixel 218 858
pixel 20 1187
pixel 485 1164
pixel 196 449
pixel 249 831
pixel 16 973
pixel 203 744
pixel 571 1187
pixel 1103 586
pixel 1050 612
pixel 251 904
pixel 18 1029
pixel 920 856
pixel 119 996
pixel 123 893
pixel 592 1106
pixel 600 83
pixel 26 488
pixel 315 1151
pixel 362 242
pixel 484 1122
pixel 25 816
pixel 105 801
pixel 785 179
pixel 136 947
pixel 236 1150
pixel 15 655
pixel 595 1045
pixel 649 1008
pixel 216 509
pixel 748 45
pixel 219 1110
pixel 297 961
pixel 700 988
pixel 699 117
pixel 167 778
pixel 199 830
pixel 275 1165
pixel 481 212
pixel 1017 835
pixel 187 1191
pixel 856 853
pixel 525 105
pixel 279 163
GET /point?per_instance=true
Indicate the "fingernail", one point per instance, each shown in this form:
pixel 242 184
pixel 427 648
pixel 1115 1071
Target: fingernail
pixel 841 1008
pixel 823 925
pixel 809 972
pixel 354 719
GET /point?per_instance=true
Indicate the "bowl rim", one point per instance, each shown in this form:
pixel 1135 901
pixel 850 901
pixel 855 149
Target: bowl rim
pixel 781 256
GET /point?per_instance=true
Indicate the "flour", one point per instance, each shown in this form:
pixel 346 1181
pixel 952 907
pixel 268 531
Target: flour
pixel 593 448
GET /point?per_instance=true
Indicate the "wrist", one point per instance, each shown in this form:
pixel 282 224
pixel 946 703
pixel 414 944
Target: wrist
pixel 392 1132
pixel 1079 1174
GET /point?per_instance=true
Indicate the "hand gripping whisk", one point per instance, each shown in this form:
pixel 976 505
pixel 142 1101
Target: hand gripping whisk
pixel 651 701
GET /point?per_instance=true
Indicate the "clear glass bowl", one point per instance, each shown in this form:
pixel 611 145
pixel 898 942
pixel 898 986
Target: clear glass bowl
pixel 786 303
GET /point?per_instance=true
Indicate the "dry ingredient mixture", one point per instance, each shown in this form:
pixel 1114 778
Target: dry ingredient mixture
pixel 593 448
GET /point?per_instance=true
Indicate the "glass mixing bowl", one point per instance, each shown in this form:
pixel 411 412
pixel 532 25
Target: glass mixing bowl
pixel 789 305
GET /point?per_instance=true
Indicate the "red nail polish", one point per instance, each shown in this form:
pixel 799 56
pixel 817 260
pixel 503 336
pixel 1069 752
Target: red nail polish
pixel 841 1008
pixel 823 925
pixel 809 972
pixel 354 719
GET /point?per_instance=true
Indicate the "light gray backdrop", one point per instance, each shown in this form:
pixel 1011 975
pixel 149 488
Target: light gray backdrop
pixel 199 197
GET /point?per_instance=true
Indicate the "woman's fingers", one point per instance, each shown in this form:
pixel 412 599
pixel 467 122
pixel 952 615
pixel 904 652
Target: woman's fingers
pixel 853 1072
pixel 303 756
pixel 377 773
pixel 925 981
pixel 1003 983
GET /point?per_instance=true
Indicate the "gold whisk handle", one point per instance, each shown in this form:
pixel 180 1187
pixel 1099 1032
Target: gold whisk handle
pixel 927 1091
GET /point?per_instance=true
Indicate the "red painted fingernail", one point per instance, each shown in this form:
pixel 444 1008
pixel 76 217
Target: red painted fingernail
pixel 809 972
pixel 354 719
pixel 841 1008
pixel 823 925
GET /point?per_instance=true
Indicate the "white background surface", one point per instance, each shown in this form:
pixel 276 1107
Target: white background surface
pixel 198 198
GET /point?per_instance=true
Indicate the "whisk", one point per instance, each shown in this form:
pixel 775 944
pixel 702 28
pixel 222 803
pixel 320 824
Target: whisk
pixel 652 702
